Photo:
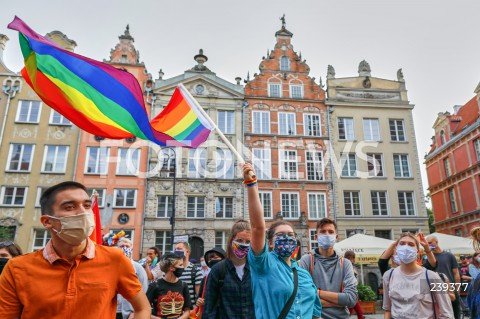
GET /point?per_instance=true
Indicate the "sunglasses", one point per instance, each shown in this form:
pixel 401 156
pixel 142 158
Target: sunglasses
pixel 5 243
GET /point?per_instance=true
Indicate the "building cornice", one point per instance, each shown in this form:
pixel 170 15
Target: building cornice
pixel 418 218
pixel 388 105
pixel 460 216
pixel 256 97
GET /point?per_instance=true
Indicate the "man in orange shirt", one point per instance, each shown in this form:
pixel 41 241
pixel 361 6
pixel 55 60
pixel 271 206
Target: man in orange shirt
pixel 71 277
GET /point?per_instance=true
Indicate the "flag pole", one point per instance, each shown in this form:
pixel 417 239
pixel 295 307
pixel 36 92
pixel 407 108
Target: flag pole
pixel 219 132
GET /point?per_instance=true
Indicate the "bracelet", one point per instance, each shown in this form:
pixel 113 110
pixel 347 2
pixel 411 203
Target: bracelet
pixel 252 184
pixel 253 181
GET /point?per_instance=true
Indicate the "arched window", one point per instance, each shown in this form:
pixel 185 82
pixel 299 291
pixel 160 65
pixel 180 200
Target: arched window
pixel 284 63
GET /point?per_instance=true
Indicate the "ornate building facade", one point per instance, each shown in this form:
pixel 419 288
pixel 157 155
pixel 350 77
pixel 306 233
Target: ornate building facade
pixel 116 169
pixel 453 169
pixel 205 181
pixel 377 184
pixel 286 132
pixel 38 147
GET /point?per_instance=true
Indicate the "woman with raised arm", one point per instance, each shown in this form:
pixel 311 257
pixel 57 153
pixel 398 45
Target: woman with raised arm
pixel 281 289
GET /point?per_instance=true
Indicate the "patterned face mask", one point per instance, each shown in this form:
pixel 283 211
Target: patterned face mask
pixel 240 250
pixel 285 245
pixel 127 251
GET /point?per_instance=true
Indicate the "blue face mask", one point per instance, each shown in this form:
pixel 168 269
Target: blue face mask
pixel 432 247
pixel 127 251
pixel 285 245
pixel 406 254
pixel 326 241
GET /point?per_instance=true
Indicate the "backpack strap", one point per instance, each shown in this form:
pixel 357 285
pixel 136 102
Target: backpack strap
pixel 221 276
pixel 312 263
pixel 431 294
pixel 342 273
pixel 288 305
pixel 193 275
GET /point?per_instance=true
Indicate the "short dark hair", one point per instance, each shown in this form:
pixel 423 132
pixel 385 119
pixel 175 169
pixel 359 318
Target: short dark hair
pixel 349 254
pixel 325 221
pixel 48 196
pixel 12 248
pixel 157 251
pixel 272 229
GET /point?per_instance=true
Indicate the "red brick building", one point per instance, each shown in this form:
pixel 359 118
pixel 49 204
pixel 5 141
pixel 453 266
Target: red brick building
pixel 453 169
pixel 116 168
pixel 285 130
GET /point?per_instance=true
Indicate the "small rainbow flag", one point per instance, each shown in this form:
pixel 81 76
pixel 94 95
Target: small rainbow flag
pixel 103 100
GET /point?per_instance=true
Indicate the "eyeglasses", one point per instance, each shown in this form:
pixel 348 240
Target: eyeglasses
pixel 6 243
pixel 281 234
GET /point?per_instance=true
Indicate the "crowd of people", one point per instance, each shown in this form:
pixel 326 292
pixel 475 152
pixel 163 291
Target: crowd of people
pixel 256 277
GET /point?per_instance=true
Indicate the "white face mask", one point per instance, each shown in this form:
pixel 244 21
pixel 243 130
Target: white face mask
pixel 406 254
pixel 75 229
pixel 203 263
pixel 396 260
pixel 478 259
pixel 326 241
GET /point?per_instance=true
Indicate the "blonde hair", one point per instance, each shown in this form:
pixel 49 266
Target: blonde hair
pixel 475 234
pixel 408 234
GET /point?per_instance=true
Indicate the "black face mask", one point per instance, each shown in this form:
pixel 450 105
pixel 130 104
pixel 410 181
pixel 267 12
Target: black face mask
pixel 178 272
pixel 213 262
pixel 3 262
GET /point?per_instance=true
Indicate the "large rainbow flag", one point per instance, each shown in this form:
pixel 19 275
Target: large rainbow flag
pixel 103 100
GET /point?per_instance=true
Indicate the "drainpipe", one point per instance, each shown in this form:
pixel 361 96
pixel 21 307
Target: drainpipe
pixel 76 154
pixel 332 171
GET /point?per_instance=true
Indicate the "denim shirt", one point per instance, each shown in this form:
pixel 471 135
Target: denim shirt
pixel 272 285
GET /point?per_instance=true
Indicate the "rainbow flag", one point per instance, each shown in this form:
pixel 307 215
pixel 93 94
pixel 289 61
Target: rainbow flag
pixel 97 97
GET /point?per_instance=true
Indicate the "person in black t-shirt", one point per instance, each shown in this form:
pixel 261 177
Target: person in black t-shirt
pixel 464 275
pixel 169 296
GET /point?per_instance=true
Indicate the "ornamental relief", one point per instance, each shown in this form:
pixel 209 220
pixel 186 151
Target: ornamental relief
pixel 16 179
pixel 25 132
pixel 51 179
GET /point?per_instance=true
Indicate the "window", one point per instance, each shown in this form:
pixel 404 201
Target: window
pixel 223 163
pixel 348 162
pixel 383 233
pixel 97 160
pixel 459 232
pixel 397 131
pixel 58 119
pixel 351 232
pixel 196 207
pixel 221 238
pixel 28 111
pixel 274 90
pixel 40 191
pixel 20 157
pixel 13 196
pixel 375 165
pixel 351 200
pixel 311 124
pixel 345 128
pixel 290 205
pixel 406 203
pixel 371 130
pixel 296 91
pixel 224 207
pixel 41 238
pixel 261 122
pixel 266 200
pixel 286 124
pixel 168 160
pixel 313 241
pixel 476 146
pixel 379 203
pixel 401 166
pixel 197 162
pixel 128 233
pixel 288 164
pixel 128 161
pixel 446 165
pixel 317 206
pixel 126 198
pixel 226 121
pixel 164 206
pixel 315 168
pixel 284 63
pixel 55 159
pixel 262 162
pixel 410 230
pixel 101 195
pixel 163 240
pixel 442 137
pixel 453 203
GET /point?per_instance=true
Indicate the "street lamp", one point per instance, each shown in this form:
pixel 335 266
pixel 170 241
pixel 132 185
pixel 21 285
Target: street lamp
pixel 10 88
pixel 170 156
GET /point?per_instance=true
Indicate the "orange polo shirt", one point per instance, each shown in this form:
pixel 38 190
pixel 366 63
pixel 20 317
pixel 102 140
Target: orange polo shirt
pixel 43 285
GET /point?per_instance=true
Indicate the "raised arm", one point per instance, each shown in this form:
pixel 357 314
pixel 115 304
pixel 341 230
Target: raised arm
pixel 255 210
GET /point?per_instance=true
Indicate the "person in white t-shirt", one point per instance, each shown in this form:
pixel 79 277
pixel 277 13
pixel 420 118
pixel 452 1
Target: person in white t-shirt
pixel 411 291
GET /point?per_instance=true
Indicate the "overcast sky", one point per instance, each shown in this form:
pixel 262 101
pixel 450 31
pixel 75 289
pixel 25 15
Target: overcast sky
pixel 434 41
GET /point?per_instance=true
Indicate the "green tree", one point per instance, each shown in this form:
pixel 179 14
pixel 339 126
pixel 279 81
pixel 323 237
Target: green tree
pixel 431 220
